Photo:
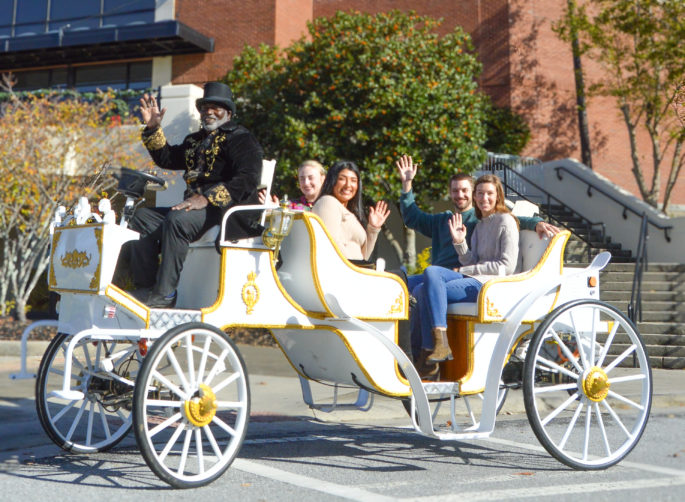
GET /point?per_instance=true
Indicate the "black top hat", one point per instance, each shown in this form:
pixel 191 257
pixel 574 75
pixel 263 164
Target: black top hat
pixel 216 92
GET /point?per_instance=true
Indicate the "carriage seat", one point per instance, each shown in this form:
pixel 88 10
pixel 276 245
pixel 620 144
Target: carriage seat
pixel 532 249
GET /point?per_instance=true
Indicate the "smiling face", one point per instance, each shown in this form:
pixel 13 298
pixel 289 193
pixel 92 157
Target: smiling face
pixel 486 198
pixel 461 194
pixel 213 115
pixel 311 180
pixel 346 186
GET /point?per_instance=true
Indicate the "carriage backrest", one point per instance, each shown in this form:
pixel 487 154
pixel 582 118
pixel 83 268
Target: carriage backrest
pixel 532 248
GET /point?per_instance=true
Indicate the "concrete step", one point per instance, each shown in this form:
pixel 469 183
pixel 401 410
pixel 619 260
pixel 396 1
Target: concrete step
pixel 617 349
pixel 576 260
pixel 661 328
pixel 672 317
pixel 647 296
pixel 574 244
pixel 647 286
pixel 651 276
pixel 674 363
pixel 652 306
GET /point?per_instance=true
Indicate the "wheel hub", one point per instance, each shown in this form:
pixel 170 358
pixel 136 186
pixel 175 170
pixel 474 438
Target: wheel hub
pixel 200 410
pixel 596 384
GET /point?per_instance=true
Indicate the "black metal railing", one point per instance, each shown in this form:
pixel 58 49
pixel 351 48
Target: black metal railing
pixel 589 225
pixel 641 264
pixel 591 187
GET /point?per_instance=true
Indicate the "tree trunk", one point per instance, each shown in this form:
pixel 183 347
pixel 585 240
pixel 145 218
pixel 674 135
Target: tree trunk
pixel 411 248
pixel 634 155
pixel 393 242
pixel 585 147
pixel 676 166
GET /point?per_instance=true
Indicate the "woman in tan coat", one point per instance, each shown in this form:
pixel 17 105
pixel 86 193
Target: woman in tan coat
pixel 340 207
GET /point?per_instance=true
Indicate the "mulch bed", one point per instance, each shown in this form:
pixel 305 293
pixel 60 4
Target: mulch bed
pixel 12 330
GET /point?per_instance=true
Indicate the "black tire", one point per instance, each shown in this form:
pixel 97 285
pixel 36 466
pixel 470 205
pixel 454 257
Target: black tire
pixel 42 406
pixel 140 416
pixel 529 380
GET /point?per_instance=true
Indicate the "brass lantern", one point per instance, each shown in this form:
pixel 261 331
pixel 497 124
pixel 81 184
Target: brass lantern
pixel 279 227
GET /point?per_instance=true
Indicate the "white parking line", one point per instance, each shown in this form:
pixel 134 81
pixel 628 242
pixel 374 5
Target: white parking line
pixel 552 491
pixel 346 492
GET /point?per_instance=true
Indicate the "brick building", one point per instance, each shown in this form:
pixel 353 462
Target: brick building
pixel 142 43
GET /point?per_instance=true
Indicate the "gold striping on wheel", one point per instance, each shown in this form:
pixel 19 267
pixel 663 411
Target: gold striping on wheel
pixel 201 410
pixel 596 384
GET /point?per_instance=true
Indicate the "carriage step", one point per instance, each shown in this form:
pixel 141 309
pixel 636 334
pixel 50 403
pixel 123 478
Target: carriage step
pixel 432 388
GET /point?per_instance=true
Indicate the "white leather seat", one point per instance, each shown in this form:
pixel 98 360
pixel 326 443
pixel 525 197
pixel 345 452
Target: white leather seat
pixel 531 247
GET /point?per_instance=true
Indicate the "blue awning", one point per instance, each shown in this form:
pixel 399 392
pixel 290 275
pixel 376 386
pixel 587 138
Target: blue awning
pixel 166 38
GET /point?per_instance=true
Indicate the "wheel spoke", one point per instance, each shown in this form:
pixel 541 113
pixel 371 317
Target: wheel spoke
pixel 593 337
pixel 586 442
pixel 123 417
pixel 64 411
pixel 212 441
pixel 555 366
pixel 184 452
pixel 620 358
pixel 601 428
pixel 226 382
pixel 616 419
pixel 224 425
pixel 629 378
pixel 626 400
pixel 163 403
pixel 172 442
pixel 170 385
pixel 177 368
pixel 571 426
pixel 164 425
pixel 89 433
pixel 554 388
pixel 191 362
pixel 103 418
pixel 87 353
pixel 203 359
pixel 607 344
pixel 569 355
pixel 561 408
pixel 76 420
pixel 578 338
pixel 229 404
pixel 97 356
pixel 198 447
pixel 218 366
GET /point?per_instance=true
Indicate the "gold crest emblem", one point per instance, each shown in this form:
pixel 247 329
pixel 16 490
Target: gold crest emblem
pixel 75 259
pixel 250 293
pixel 398 306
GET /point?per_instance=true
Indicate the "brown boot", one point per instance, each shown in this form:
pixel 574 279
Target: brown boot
pixel 426 371
pixel 442 351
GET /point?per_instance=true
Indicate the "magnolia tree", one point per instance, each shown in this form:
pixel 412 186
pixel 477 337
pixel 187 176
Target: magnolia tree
pixel 369 89
pixel 53 150
pixel 639 44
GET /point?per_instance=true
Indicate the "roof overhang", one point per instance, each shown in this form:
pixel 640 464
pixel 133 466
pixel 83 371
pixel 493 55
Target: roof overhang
pixel 166 38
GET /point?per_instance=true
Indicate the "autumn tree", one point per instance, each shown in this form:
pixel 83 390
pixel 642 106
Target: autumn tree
pixel 53 150
pixel 367 88
pixel 639 44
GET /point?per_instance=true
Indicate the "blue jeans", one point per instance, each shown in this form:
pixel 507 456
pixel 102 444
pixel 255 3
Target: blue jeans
pixel 441 287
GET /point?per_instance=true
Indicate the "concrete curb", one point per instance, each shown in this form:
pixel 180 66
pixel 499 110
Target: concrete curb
pixel 9 348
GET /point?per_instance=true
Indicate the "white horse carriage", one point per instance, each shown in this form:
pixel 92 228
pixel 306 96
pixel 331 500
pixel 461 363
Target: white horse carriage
pixel 180 382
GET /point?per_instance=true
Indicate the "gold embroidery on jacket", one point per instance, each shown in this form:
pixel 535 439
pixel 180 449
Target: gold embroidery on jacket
pixel 213 151
pixel 190 152
pixel 156 141
pixel 219 196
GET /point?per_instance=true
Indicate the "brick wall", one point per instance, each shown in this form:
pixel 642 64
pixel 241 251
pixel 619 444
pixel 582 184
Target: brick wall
pixel 291 20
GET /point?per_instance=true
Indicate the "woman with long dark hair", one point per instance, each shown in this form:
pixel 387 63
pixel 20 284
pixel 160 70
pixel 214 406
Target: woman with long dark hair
pixel 340 207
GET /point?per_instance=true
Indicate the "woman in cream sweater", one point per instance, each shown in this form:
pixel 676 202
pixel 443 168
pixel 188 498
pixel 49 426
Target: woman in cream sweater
pixel 340 207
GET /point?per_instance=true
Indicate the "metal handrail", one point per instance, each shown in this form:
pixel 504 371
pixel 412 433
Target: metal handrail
pixel 589 224
pixel 590 187
pixel 641 264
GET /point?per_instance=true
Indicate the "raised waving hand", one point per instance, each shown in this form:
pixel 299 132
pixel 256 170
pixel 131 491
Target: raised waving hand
pixel 150 111
pixel 407 171
pixel 457 229
pixel 378 214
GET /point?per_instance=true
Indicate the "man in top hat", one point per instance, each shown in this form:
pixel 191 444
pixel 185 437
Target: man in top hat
pixel 222 164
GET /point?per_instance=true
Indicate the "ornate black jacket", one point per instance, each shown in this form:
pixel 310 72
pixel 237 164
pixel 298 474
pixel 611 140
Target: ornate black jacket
pixel 225 166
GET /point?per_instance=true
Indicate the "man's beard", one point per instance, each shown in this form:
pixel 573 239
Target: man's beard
pixel 215 125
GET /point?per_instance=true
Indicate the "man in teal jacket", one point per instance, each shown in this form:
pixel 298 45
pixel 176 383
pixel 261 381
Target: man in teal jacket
pixel 436 227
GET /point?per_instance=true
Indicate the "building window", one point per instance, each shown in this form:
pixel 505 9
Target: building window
pixel 136 75
pixel 33 17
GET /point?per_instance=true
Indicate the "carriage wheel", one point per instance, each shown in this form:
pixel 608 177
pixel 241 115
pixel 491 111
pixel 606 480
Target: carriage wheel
pixel 191 405
pixel 606 413
pixel 100 420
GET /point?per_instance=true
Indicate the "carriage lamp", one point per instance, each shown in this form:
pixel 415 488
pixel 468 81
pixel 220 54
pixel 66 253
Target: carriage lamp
pixel 279 227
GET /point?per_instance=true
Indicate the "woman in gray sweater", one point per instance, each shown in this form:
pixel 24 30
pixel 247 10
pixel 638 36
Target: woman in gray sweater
pixel 494 252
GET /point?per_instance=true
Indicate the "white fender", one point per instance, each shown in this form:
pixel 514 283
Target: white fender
pixel 506 338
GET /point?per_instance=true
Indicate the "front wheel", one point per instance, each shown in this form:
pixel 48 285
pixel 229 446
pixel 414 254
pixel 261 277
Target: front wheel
pixel 191 405
pixel 586 404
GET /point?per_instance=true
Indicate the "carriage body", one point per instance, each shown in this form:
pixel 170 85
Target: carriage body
pixel 336 323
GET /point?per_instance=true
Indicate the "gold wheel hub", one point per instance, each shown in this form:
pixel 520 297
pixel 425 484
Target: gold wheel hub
pixel 596 384
pixel 201 410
